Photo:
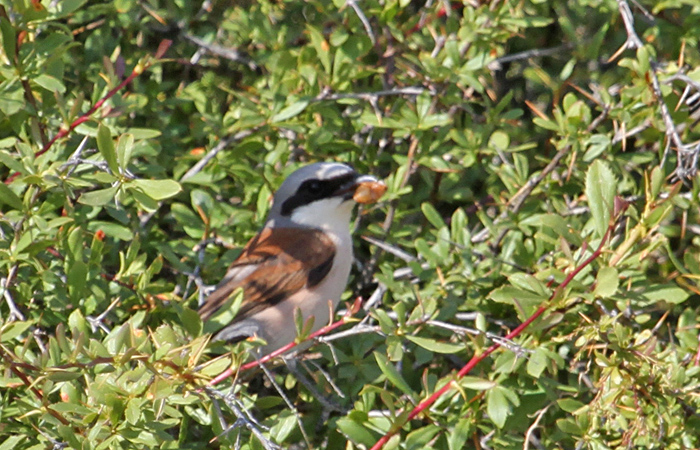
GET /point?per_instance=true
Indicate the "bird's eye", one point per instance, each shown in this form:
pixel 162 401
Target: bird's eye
pixel 314 187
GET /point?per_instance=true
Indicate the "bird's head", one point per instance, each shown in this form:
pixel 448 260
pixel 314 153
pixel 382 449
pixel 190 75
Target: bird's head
pixel 319 195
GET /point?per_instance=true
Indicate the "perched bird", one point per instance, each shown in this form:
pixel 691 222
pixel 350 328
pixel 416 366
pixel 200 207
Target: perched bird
pixel 300 259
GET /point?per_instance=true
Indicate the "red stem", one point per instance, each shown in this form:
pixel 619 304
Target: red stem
pixel 138 70
pixel 476 359
pixel 323 331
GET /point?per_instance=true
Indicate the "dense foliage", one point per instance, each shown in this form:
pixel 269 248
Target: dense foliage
pixel 516 137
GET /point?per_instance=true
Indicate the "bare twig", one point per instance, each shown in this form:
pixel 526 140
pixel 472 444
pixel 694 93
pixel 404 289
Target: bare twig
pixel 478 358
pixel 518 200
pixel 687 157
pixel 684 167
pixel 531 428
pixel 369 96
pixel 622 135
pixel 243 418
pixel 365 22
pixel 96 322
pixel 534 53
pixel 227 53
pixel 75 158
pixel 354 331
pixel 281 351
pixel 633 41
pixel 15 313
pixel 138 70
pixel 285 398
pixel 223 143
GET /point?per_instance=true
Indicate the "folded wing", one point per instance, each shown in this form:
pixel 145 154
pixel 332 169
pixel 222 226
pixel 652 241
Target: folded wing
pixel 274 265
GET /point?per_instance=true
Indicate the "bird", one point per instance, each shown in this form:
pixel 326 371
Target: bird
pixel 300 259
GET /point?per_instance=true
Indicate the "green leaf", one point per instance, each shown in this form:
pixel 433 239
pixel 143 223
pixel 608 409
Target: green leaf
pixel 569 404
pixel 643 58
pixel 12 442
pixel 77 278
pixel 8 197
pixel 669 293
pixel 11 330
pixel 546 124
pixel 607 282
pixel 77 322
pixel 125 146
pixel 525 301
pixel 144 200
pixel 537 362
pixel 569 426
pixel 9 39
pixel 111 229
pixel 59 375
pixel 12 162
pixel 144 133
pixel 191 321
pixel 428 253
pixel 356 431
pixel 106 146
pixel 158 189
pixel 392 374
pixel 321 46
pixel 476 384
pixel 50 83
pixel 656 182
pixel 290 111
pixel 99 197
pixel 435 346
pixel 601 188
pixel 133 410
pixel 497 406
pixel 11 98
pixel 432 215
pixel 420 438
pixel 457 437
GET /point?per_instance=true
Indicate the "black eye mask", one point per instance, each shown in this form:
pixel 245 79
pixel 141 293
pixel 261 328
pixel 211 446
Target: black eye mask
pixel 312 190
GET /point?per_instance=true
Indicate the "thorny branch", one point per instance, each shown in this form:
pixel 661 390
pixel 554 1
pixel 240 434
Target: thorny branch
pixel 478 358
pixel 243 419
pixel 227 53
pixel 365 22
pixel 518 200
pixel 687 157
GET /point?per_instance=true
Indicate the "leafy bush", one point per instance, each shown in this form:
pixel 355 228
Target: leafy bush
pixel 541 161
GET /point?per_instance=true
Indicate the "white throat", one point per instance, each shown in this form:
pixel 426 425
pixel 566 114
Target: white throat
pixel 331 215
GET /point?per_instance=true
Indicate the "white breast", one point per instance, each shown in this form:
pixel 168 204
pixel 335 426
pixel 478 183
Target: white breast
pixel 276 324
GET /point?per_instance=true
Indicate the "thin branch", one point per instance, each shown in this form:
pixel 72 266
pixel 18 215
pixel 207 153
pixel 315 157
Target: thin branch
pixel 633 41
pixel 138 70
pixel 671 131
pixel 531 428
pixel 31 385
pixel 368 28
pixel 286 400
pixel 369 96
pixel 478 358
pixel 15 313
pixel 534 53
pixel 227 53
pixel 518 200
pixel 281 351
pixel 622 135
pixel 242 417
pixel 687 157
pixel 223 143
